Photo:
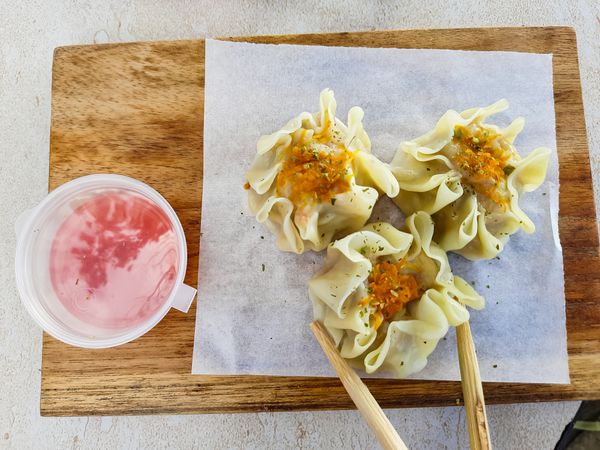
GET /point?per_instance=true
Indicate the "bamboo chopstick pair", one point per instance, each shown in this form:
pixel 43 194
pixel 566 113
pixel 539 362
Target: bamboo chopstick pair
pixel 376 418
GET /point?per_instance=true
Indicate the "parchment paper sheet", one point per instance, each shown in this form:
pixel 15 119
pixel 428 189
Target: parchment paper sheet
pixel 253 308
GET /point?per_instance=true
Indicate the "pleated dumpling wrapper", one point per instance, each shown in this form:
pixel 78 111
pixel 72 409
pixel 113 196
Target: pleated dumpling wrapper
pixel 468 175
pixel 316 178
pixel 387 297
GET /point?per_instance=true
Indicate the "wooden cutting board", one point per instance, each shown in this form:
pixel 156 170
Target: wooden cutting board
pixel 137 109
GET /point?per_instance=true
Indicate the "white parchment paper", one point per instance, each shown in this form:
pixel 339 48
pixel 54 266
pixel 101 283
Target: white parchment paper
pixel 253 308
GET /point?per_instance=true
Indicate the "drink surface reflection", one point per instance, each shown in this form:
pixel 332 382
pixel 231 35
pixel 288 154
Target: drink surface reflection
pixel 114 260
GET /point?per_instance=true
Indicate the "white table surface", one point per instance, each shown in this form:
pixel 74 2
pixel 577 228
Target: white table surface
pixel 30 30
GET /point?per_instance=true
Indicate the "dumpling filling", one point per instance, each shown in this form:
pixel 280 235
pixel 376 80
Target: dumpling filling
pixel 315 170
pixel 484 159
pixel 390 287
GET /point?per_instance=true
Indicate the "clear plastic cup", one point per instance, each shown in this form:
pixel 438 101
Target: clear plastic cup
pixel 40 280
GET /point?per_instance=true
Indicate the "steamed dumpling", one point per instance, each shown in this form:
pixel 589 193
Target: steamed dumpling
pixel 468 175
pixel 316 178
pixel 387 297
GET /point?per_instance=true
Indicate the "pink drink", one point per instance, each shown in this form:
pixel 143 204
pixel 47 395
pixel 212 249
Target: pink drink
pixel 114 260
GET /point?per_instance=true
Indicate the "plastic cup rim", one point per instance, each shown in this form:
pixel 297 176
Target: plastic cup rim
pixel 44 320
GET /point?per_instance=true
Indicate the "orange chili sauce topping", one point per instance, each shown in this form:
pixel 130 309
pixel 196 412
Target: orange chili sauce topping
pixel 390 289
pixel 310 175
pixel 482 162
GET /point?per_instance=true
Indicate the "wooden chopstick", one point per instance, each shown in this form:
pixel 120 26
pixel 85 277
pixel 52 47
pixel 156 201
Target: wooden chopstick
pixel 477 422
pixel 359 392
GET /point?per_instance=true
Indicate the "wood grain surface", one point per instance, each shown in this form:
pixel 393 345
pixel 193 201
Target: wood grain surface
pixel 137 109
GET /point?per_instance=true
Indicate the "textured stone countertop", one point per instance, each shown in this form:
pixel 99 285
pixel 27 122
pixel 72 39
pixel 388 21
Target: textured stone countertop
pixel 30 30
